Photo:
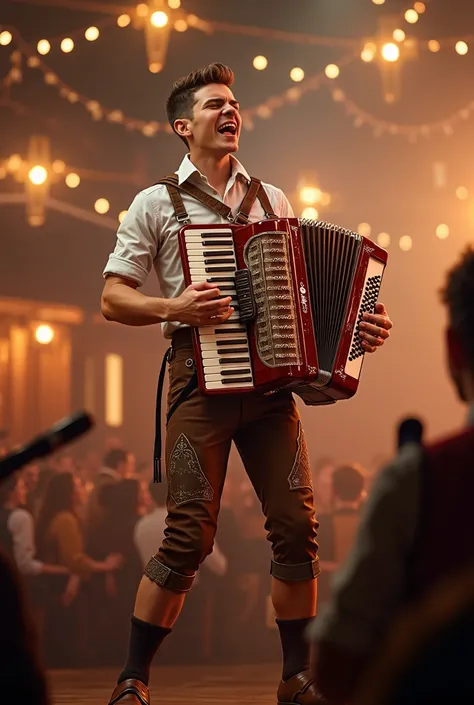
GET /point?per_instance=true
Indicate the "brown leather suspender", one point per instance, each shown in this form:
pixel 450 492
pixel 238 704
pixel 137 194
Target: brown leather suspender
pixel 254 191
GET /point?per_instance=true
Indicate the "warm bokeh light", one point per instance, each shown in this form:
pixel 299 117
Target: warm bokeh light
pixel 390 52
pixel 260 63
pixel 325 199
pixel 155 67
pixel 58 166
pixel 310 195
pixel 434 45
pixel 73 180
pixel 67 45
pixel 91 34
pixel 378 2
pixel 5 38
pixel 37 175
pixel 44 334
pixel 142 10
pixel 399 35
pixel 405 243
pixel 332 71
pixel 442 231
pixel 296 74
pixel 180 25
pixel 174 4
pixel 101 206
pixel 462 193
pixel 462 48
pixel 14 163
pixel 383 239
pixel 121 216
pixel 368 52
pixel 159 19
pixel 3 172
pixel 43 47
pixel 310 213
pixel 364 229
pixel 420 7
pixel 124 20
pixel 411 16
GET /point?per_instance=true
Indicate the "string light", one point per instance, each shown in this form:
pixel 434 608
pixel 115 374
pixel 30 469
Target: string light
pixel 124 20
pixel 462 193
pixel 411 16
pixel 462 48
pixel 159 19
pixel 383 239
pixel 260 63
pixel 405 243
pixel 44 334
pixel 368 52
pixel 399 35
pixel 364 229
pixel 37 175
pixel 434 45
pixel 419 7
pixel 67 45
pixel 142 10
pixel 101 206
pixel 91 34
pixel 332 71
pixel 73 180
pixel 122 215
pixel 58 166
pixel 297 74
pixel 390 52
pixel 181 25
pixel 5 38
pixel 310 195
pixel 378 2
pixel 310 213
pixel 174 4
pixel 442 231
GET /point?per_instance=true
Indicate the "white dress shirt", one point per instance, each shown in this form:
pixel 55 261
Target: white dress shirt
pixel 147 236
pixel 21 527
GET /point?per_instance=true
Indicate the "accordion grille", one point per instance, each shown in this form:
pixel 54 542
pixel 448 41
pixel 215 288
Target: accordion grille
pixel 331 255
pixel 276 333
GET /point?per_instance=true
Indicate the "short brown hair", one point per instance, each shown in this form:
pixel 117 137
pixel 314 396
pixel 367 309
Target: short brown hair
pixel 181 100
pixel 458 295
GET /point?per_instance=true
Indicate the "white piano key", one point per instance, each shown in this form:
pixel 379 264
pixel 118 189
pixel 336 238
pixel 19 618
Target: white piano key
pixel 211 355
pixel 231 385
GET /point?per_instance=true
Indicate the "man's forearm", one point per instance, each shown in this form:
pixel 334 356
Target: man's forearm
pixel 124 304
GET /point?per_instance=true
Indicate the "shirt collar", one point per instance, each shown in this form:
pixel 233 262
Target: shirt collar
pixel 187 169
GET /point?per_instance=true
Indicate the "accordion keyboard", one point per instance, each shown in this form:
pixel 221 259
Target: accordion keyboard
pixel 224 347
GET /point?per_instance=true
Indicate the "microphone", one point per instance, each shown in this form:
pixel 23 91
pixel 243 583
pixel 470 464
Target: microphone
pixel 63 432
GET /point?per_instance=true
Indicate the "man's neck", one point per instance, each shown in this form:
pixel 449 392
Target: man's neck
pixel 217 170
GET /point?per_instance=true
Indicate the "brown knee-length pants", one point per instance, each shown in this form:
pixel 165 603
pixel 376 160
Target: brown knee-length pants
pixel 267 432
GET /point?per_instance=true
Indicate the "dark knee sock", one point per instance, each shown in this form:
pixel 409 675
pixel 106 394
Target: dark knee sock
pixel 145 640
pixel 294 645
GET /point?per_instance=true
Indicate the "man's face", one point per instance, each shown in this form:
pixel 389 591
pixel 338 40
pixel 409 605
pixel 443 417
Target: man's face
pixel 216 122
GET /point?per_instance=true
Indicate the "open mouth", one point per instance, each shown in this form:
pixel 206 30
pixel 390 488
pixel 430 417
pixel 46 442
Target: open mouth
pixel 228 128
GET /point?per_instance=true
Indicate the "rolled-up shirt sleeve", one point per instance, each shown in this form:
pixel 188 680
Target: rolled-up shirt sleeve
pixel 137 239
pixel 21 528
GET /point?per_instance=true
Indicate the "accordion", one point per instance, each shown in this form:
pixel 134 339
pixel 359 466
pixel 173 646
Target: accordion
pixel 299 289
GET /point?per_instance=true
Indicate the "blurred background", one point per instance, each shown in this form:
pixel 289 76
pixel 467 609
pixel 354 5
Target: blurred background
pixel 362 111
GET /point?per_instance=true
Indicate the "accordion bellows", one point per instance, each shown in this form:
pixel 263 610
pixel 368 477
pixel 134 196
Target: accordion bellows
pixel 299 289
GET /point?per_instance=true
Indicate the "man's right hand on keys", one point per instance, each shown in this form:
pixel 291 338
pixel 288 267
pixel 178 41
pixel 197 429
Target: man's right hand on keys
pixel 200 305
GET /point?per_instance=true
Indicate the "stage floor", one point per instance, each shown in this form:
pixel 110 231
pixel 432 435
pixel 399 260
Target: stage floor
pixel 219 685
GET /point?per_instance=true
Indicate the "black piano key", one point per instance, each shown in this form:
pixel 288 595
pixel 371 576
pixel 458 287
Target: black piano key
pixel 233 360
pixel 216 280
pixel 219 269
pixel 227 260
pixel 232 351
pixel 234 380
pixel 218 331
pixel 216 233
pixel 231 342
pixel 218 253
pixel 217 242
pixel 229 373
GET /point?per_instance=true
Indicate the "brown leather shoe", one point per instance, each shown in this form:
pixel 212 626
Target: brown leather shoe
pixel 300 690
pixel 130 692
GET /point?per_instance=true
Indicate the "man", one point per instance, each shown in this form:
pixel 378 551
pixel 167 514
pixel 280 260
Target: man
pixel 266 429
pixel 418 528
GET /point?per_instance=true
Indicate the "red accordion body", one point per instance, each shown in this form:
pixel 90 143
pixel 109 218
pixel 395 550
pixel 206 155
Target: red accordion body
pixel 299 289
